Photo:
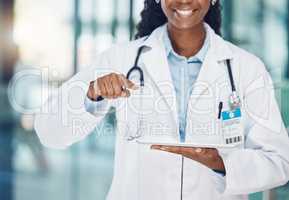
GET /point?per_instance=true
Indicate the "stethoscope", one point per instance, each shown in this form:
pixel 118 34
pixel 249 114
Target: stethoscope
pixel 137 69
pixel 234 99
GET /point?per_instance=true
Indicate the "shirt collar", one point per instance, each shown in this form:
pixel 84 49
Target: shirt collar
pixel 200 55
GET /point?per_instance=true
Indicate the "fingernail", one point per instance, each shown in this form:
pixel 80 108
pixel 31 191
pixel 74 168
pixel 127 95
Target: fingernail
pixel 198 150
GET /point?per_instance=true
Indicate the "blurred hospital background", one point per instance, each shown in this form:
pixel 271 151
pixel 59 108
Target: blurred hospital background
pixel 58 38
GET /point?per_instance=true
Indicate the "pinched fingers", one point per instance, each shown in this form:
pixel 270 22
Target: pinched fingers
pixel 110 86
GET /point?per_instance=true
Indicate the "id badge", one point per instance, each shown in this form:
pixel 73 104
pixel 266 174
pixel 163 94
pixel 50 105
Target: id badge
pixel 232 128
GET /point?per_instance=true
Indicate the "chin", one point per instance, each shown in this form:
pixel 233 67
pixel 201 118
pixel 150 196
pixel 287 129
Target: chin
pixel 185 26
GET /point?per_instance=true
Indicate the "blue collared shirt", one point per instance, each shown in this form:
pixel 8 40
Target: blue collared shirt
pixel 184 72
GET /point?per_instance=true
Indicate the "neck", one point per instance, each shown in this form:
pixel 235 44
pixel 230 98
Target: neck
pixel 189 41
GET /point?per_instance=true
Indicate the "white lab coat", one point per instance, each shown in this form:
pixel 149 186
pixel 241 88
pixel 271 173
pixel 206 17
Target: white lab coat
pixel 262 162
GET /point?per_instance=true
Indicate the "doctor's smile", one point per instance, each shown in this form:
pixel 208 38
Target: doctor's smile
pixel 202 155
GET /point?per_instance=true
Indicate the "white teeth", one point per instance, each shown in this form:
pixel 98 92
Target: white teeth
pixel 185 12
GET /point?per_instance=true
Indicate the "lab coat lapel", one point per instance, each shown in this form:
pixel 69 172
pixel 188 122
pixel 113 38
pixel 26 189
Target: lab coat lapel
pixel 156 64
pixel 205 83
pixel 212 68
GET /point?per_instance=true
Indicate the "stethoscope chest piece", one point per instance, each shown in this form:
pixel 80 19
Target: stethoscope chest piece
pixel 234 101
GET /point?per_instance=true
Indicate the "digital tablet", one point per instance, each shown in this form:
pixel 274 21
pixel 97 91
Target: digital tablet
pixel 197 145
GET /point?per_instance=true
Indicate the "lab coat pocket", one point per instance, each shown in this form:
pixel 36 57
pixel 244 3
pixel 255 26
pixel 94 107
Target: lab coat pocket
pixel 202 124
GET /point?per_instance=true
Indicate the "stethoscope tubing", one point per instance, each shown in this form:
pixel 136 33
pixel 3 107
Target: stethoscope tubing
pixel 232 82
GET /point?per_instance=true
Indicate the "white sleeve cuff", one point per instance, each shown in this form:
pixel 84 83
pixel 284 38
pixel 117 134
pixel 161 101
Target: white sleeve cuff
pixel 95 107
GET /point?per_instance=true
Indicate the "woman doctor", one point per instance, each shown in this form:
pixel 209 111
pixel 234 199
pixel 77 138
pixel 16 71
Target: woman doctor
pixel 184 48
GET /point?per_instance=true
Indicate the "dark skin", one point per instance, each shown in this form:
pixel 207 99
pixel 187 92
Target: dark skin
pixel 185 23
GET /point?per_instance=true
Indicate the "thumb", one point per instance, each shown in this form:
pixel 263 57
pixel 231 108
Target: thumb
pixel 130 85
